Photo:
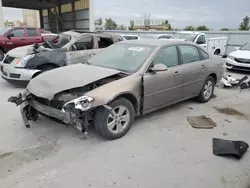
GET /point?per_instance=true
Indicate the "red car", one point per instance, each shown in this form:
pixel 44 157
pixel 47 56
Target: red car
pixel 21 36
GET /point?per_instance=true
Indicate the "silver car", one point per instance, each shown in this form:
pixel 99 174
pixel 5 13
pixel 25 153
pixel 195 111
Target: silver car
pixel 125 80
pixel 23 64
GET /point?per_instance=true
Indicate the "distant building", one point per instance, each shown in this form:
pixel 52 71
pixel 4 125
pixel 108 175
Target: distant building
pixel 154 24
pixel 31 18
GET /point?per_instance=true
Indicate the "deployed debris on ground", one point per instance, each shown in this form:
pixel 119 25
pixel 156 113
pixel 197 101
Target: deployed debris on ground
pixel 229 81
pixel 201 122
pixel 229 148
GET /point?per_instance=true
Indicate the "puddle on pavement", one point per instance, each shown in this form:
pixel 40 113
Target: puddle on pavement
pixel 229 111
pixel 12 161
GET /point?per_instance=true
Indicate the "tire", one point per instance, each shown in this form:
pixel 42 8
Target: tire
pixel 205 97
pixel 1 55
pixel 119 127
pixel 217 52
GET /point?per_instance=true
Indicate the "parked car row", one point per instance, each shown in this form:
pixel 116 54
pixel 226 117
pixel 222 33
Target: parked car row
pixel 125 79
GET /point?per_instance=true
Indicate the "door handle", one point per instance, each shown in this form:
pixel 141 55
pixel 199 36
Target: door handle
pixel 203 67
pixel 23 39
pixel 177 73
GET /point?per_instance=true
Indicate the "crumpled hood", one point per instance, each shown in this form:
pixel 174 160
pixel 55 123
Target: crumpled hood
pixel 241 54
pixel 24 50
pixel 54 81
pixel 21 51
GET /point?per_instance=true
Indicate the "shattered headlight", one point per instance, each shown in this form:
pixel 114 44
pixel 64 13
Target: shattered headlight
pixel 23 61
pixel 230 57
pixel 82 103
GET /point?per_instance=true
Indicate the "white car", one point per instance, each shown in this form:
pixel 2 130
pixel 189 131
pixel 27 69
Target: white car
pixel 239 59
pixel 130 37
pixel 161 36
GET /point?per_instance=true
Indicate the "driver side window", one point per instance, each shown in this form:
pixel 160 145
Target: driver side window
pixel 201 39
pixel 168 56
pixel 83 44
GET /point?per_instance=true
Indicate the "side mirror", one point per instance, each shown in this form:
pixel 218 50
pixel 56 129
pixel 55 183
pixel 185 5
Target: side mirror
pixel 10 35
pixel 237 48
pixel 158 68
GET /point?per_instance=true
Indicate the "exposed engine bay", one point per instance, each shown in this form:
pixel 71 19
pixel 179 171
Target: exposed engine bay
pixel 71 94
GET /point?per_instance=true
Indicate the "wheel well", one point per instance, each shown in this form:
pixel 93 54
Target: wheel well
pixel 214 77
pixel 47 65
pixel 131 98
pixel 1 48
pixel 218 51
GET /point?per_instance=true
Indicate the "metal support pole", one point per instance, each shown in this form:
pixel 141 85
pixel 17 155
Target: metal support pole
pixel 73 15
pixel 41 18
pixel 91 15
pixel 1 15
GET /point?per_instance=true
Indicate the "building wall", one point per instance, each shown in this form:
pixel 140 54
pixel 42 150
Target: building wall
pixel 31 18
pixel 84 19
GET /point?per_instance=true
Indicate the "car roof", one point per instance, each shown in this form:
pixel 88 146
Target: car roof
pixel 155 42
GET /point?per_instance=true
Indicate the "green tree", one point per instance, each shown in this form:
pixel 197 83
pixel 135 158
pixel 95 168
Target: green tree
pixel 224 29
pixel 132 25
pixel 244 26
pixel 202 28
pixel 167 25
pixel 189 28
pixel 110 24
pixel 99 22
pixel 121 27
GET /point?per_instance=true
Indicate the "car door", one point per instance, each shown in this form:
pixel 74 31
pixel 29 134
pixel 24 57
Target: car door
pixel 81 50
pixel 193 70
pixel 163 88
pixel 33 36
pixel 18 39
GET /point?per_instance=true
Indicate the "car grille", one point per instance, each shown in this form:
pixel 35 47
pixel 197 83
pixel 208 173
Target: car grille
pixel 51 103
pixel 241 60
pixel 8 59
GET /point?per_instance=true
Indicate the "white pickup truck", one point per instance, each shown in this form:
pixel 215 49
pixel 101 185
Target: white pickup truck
pixel 215 46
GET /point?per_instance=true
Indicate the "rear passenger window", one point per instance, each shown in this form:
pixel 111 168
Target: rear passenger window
pixel 204 54
pixel 168 56
pixel 189 54
pixel 32 33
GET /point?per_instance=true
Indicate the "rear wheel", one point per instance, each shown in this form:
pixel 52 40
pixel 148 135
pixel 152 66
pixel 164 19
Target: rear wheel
pixel 207 90
pixel 1 55
pixel 115 123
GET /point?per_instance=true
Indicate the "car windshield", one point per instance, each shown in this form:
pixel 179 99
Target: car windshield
pixel 246 47
pixel 61 40
pixel 2 31
pixel 149 37
pixel 185 36
pixel 121 56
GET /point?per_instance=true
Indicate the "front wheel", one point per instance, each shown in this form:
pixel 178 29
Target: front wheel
pixel 207 90
pixel 115 123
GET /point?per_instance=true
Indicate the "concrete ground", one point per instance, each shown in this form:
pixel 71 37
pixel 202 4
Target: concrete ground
pixel 161 150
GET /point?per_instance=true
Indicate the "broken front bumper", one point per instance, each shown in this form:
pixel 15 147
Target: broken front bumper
pixel 30 108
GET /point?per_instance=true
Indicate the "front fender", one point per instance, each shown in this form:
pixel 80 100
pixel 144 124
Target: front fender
pixel 105 94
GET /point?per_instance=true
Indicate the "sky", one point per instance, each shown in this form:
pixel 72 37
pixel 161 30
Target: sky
pixel 215 14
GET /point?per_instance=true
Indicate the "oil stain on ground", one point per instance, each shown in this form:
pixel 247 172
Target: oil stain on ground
pixel 12 161
pixel 230 112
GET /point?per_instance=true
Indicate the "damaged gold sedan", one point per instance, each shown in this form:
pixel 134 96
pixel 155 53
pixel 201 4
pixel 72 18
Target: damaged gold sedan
pixel 125 80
